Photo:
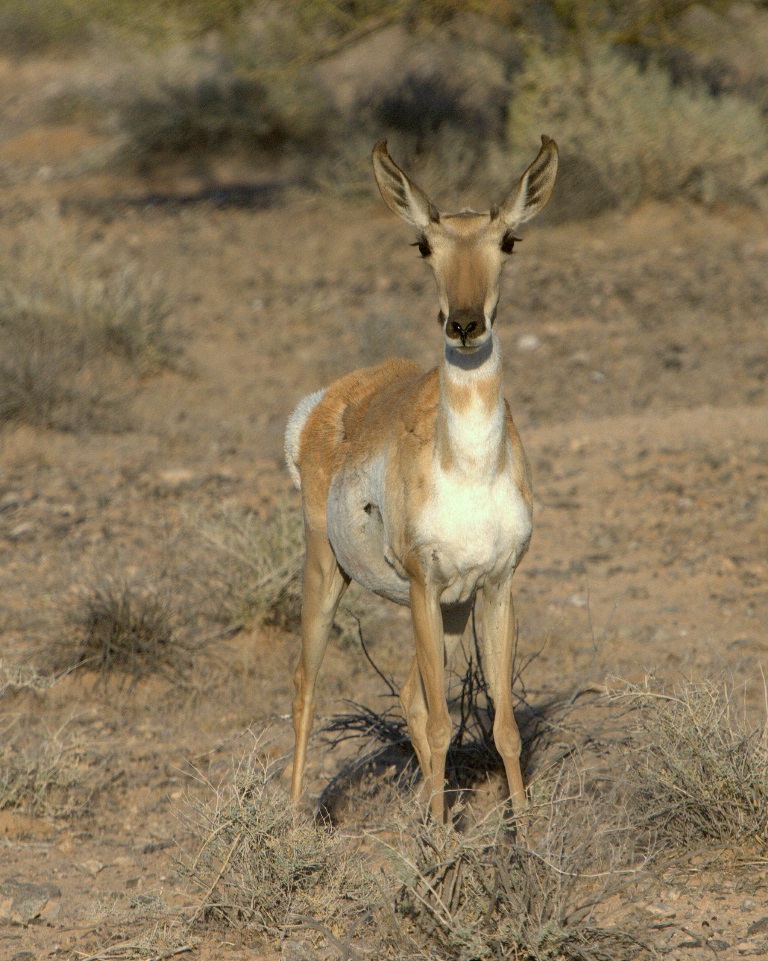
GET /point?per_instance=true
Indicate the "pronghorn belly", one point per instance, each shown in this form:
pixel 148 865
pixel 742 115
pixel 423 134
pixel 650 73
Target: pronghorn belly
pixel 473 532
pixel 357 535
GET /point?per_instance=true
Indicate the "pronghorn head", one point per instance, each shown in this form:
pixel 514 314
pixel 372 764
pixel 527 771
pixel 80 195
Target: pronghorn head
pixel 467 250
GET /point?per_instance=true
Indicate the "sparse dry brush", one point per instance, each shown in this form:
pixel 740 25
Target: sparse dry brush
pixel 688 769
pixel 201 79
pixel 44 772
pixel 71 329
pixel 252 566
pixel 250 571
pixel 407 887
pixel 266 867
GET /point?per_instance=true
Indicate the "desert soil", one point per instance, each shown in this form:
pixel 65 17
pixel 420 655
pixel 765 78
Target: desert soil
pixel 637 370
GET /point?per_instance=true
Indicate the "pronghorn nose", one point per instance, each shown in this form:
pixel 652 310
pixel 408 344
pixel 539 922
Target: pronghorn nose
pixel 465 331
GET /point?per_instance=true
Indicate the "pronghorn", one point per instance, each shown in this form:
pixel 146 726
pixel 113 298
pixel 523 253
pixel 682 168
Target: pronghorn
pixel 416 485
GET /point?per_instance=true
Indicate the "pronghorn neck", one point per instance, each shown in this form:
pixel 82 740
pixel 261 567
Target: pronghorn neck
pixel 472 418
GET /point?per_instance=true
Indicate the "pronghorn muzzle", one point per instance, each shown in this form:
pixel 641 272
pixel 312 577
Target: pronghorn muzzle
pixel 464 325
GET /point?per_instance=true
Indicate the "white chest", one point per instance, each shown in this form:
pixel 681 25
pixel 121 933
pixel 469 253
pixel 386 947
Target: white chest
pixel 473 530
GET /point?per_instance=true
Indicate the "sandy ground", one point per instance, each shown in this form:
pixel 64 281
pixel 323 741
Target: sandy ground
pixel 637 370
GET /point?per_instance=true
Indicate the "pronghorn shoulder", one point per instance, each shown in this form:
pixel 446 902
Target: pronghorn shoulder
pixel 352 411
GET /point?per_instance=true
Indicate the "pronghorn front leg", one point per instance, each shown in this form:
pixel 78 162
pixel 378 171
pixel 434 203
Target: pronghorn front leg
pixel 412 696
pixel 430 657
pixel 499 644
pixel 324 584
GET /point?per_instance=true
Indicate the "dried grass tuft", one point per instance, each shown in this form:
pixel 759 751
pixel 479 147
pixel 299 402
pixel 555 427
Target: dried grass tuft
pixel 118 629
pixel 479 893
pixel 697 768
pixel 641 136
pixel 252 570
pixel 406 887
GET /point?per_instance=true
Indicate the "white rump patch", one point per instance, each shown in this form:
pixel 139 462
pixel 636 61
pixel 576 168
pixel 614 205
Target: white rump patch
pixel 296 423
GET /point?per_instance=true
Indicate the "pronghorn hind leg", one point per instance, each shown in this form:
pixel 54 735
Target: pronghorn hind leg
pixel 323 587
pixel 499 645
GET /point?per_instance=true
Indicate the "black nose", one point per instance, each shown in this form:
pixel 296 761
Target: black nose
pixel 463 329
pixel 463 332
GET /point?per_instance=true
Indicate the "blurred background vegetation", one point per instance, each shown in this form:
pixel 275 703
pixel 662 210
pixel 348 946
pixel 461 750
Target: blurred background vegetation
pixel 648 99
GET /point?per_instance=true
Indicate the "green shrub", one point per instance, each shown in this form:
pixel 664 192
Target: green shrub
pixel 643 136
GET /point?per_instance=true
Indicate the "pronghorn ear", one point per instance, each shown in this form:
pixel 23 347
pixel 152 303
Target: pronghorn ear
pixel 534 188
pixel 400 193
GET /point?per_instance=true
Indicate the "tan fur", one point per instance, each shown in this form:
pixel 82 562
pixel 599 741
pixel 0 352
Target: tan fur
pixel 416 484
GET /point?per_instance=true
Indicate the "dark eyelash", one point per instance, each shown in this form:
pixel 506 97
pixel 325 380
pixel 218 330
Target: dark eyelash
pixel 508 242
pixel 423 244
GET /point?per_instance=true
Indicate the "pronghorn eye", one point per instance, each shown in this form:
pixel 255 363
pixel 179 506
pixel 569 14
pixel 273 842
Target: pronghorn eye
pixel 508 242
pixel 423 244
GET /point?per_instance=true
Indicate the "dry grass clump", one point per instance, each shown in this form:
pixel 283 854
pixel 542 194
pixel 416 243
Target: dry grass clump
pixel 117 629
pixel 264 866
pixel 70 332
pixel 643 136
pixel 697 769
pixel 33 26
pixel 16 678
pixel 54 773
pixel 253 570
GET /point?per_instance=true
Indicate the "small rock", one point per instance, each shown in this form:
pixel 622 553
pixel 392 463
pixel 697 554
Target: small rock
pixel 91 867
pixel 178 478
pixel 528 343
pixel 579 359
pixel 295 951
pixel 661 910
pixel 578 600
pixel 9 501
pixel 22 902
pixel 597 377
pixel 22 532
pixel 750 947
pixel 758 927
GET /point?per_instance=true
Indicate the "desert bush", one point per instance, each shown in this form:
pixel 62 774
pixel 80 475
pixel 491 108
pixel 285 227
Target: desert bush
pixel 193 100
pixel 253 569
pixel 68 335
pixel 118 629
pixel 407 887
pixel 697 769
pixel 49 772
pixel 33 26
pixel 16 678
pixel 480 893
pixel 643 136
